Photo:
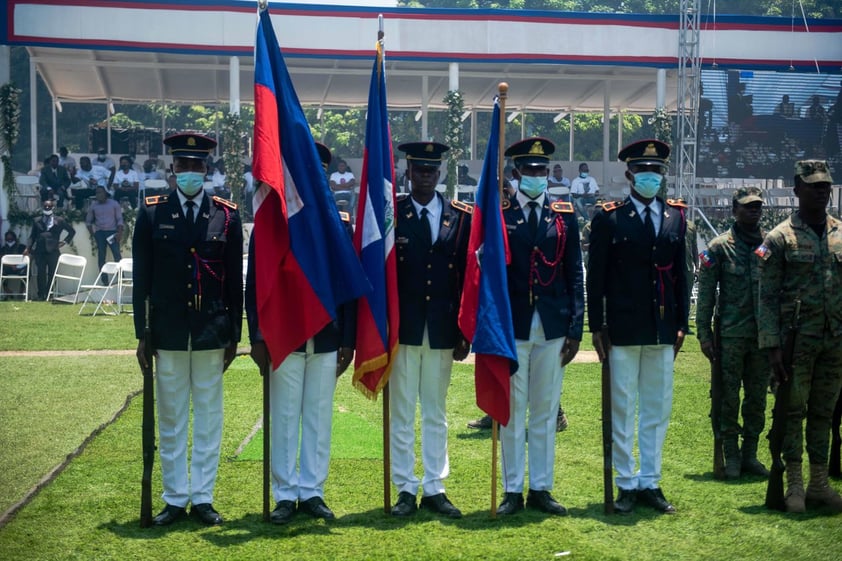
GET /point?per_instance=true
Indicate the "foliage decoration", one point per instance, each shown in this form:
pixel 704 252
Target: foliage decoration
pixel 233 131
pixel 9 133
pixel 661 125
pixel 453 137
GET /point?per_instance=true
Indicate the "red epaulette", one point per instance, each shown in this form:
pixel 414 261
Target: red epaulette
pixel 562 206
pixel 612 205
pixel 224 202
pixel 155 199
pixel 345 216
pixel 679 203
pixel 464 207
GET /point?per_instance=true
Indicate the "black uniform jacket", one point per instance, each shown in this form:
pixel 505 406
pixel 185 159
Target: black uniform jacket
pixel 546 271
pixel 644 284
pixel 339 333
pixel 430 278
pixel 45 240
pixel 195 282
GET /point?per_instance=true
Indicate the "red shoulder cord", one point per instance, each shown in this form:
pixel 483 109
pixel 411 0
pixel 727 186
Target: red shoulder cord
pixel 554 265
pixel 205 264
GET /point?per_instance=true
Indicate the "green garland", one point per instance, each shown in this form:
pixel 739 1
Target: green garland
pixel 9 133
pixel 661 125
pixel 233 132
pixel 453 138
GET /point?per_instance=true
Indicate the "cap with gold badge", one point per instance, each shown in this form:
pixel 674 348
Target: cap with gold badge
pixel 645 152
pixel 813 171
pixel 533 151
pixel 426 153
pixel 190 145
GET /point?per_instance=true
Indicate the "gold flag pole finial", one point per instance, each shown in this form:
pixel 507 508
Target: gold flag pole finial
pixel 502 94
pixel 262 4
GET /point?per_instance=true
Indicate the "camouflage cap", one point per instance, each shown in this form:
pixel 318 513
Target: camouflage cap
pixel 813 171
pixel 745 195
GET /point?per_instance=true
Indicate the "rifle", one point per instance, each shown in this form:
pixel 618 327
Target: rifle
pixel 775 486
pixel 607 436
pixel 716 396
pixel 148 427
pixel 266 373
pixel 835 466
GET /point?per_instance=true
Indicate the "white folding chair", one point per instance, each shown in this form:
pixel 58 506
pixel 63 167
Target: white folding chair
pixel 69 272
pixel 19 271
pixel 466 193
pixel 559 193
pixel 125 283
pixel 28 197
pixel 103 293
pixel 153 187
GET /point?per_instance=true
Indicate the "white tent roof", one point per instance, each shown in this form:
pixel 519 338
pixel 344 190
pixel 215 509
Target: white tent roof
pixel 120 50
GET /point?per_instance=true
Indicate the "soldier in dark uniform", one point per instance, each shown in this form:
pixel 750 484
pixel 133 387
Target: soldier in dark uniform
pixel 301 399
pixel 431 236
pixel 188 261
pixel 636 281
pixel 548 305
pixel 45 244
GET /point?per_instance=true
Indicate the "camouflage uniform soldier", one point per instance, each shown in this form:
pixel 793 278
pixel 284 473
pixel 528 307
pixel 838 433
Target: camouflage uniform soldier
pixel 729 264
pixel 801 259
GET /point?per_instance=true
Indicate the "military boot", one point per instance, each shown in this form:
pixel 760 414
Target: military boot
pixel 731 451
pixel 750 462
pixel 794 497
pixel 818 491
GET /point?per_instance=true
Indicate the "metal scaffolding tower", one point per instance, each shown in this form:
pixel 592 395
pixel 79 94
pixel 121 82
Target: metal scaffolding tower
pixel 689 80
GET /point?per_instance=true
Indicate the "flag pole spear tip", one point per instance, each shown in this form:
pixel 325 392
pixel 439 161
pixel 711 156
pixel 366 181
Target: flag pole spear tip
pixel 503 88
pixel 379 27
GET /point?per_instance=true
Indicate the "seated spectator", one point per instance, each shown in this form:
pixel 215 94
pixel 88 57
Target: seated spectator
pixel 54 181
pixel 12 247
pixel 557 179
pixel 93 174
pixel 64 160
pixel 80 188
pixel 584 190
pixel 150 171
pixel 342 183
pixel 785 108
pixel 103 160
pixel 220 187
pixel 816 111
pixel 463 178
pixel 172 183
pixel 126 183
pixel 154 162
pixel 105 223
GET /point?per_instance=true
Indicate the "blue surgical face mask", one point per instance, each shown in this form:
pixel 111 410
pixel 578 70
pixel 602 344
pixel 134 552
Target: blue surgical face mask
pixel 647 183
pixel 532 187
pixel 583 174
pixel 190 182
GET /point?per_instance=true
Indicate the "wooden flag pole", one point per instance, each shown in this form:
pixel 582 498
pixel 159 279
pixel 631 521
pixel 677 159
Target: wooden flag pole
pixel 502 92
pixel 266 371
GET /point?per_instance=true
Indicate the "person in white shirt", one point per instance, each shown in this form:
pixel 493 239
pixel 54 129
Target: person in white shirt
pixel 557 178
pixel 584 190
pixel 64 159
pixel 342 183
pixel 126 182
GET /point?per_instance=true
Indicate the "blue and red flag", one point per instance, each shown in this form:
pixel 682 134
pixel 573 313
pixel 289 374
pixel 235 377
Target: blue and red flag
pixel 485 316
pixel 305 265
pixel 374 240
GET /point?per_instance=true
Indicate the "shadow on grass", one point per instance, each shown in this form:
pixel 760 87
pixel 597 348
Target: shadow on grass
pixel 708 477
pixel 812 513
pixel 596 511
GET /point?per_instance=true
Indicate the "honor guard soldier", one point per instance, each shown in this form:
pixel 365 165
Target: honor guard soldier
pixel 188 262
pixel 801 261
pixel 547 299
pixel 431 236
pixel 729 266
pixel 301 399
pixel 636 270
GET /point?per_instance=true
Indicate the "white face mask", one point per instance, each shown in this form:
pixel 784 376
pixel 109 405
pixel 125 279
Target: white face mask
pixel 47 212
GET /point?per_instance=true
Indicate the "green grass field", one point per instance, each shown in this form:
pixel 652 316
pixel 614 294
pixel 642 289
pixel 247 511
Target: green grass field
pixel 49 405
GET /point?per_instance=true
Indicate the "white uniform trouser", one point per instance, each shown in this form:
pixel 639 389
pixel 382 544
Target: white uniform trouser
pixel 419 373
pixel 536 385
pixel 642 376
pixel 181 374
pixel 301 391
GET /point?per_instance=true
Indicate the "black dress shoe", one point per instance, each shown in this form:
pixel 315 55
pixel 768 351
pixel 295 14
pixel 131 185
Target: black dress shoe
pixel 206 514
pixel 655 498
pixel 316 507
pixel 405 505
pixel 169 515
pixel 441 504
pixel 283 513
pixel 625 501
pixel 484 423
pixel 542 500
pixel 561 422
pixel 512 503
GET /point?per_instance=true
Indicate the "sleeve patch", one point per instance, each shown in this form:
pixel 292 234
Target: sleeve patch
pixel 763 252
pixel 707 259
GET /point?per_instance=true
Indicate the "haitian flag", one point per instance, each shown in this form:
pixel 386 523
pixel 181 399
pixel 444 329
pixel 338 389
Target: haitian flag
pixel 305 265
pixel 485 315
pixel 374 240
